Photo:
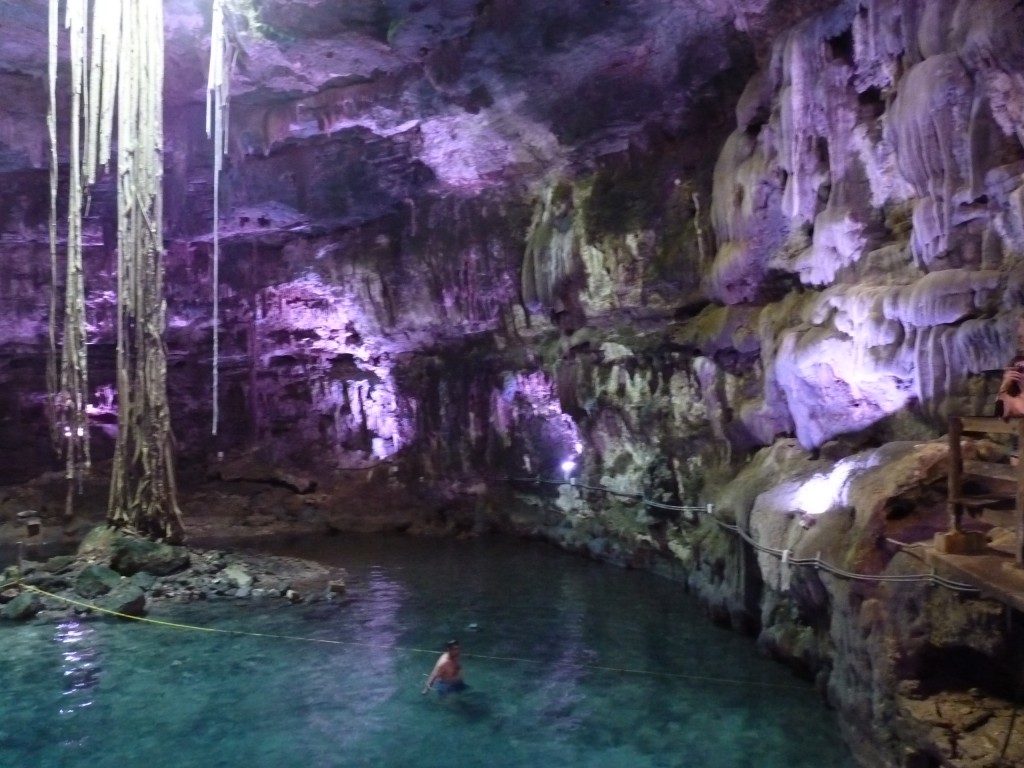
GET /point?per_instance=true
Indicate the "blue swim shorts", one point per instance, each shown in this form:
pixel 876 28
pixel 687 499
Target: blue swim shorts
pixel 444 687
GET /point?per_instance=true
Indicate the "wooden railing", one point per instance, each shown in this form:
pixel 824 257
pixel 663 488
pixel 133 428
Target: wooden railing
pixel 1001 480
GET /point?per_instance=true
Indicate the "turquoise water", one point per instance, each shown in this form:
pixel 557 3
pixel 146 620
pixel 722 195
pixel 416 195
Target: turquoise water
pixel 570 663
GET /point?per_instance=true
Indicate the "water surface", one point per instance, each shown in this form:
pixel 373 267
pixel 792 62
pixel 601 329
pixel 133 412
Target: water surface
pixel 570 663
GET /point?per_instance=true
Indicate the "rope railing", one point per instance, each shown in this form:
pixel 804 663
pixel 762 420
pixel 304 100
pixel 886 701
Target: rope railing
pixel 785 555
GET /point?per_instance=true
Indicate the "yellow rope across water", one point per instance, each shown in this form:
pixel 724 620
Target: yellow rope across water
pixel 406 648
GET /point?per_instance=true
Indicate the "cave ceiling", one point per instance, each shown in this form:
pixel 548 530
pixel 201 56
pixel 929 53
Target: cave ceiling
pixel 436 97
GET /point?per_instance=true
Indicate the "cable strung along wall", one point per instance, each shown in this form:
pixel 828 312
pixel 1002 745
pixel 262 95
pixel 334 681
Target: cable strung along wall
pixel 120 74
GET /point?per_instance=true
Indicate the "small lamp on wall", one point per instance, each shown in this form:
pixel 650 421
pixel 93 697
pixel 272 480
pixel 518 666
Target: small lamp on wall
pixel 32 522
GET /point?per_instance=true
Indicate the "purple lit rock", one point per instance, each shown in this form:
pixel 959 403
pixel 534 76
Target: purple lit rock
pixel 690 247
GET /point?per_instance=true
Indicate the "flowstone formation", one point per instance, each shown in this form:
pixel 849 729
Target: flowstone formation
pixel 577 270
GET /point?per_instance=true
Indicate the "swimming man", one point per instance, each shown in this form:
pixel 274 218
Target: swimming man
pixel 447 674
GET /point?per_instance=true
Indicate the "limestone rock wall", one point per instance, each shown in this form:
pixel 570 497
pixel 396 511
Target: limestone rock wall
pixel 883 175
pixel 563 270
pixel 865 284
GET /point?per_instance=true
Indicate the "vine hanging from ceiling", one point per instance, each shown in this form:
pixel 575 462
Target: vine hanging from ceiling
pixel 223 53
pixel 116 51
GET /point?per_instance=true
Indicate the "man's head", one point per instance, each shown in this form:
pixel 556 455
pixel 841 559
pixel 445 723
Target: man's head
pixel 452 646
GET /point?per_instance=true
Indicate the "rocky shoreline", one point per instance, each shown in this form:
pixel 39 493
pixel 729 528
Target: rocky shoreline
pixel 115 572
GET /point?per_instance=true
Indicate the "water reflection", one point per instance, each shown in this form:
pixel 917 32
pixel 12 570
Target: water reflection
pixel 363 676
pixel 563 693
pixel 379 612
pixel 81 672
pixel 80 663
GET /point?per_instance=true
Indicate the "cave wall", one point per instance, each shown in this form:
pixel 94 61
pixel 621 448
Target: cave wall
pixel 887 185
pixel 381 182
pixel 749 254
pixel 864 286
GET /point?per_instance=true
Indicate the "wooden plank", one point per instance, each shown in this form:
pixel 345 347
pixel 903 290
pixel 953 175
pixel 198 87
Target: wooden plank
pixel 980 501
pixel 955 478
pixel 994 479
pixel 987 424
pixel 986 573
pixel 990 471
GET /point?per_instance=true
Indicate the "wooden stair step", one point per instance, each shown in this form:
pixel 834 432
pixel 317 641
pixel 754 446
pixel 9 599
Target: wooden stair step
pixel 978 501
pixel 989 424
pixel 987 469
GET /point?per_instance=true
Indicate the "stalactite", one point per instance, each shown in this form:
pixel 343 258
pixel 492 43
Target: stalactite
pixel 52 381
pixel 222 56
pixel 702 247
